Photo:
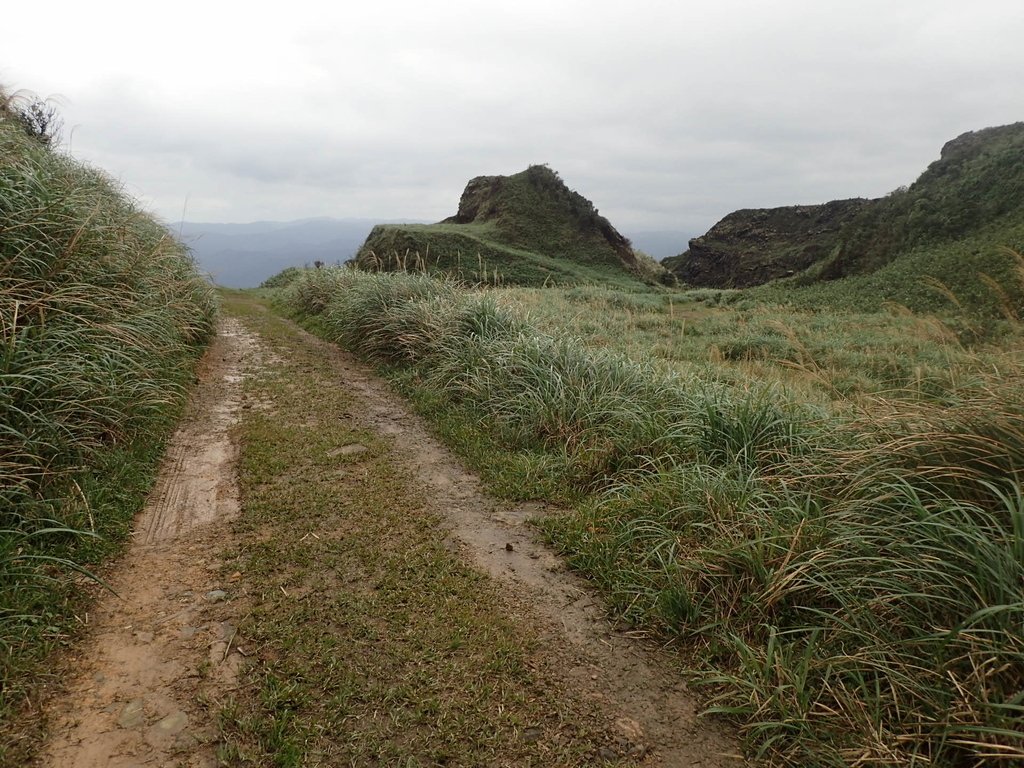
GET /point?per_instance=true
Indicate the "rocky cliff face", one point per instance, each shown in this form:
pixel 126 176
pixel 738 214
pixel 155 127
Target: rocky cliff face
pixel 977 182
pixel 753 246
pixel 479 200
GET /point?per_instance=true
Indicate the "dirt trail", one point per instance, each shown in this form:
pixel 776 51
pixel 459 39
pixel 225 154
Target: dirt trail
pixel 655 709
pixel 161 650
pixel 160 658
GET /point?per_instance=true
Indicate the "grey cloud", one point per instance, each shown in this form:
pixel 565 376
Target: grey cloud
pixel 667 115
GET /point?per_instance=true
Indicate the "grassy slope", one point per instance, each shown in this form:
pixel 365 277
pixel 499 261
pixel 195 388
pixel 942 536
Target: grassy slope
pixel 821 352
pixel 849 567
pixel 975 277
pixel 977 184
pixel 376 643
pixel 101 315
pixel 535 231
pixel 475 253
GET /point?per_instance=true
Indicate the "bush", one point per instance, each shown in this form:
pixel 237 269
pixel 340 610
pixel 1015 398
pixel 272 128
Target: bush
pixel 282 279
pixel 39 119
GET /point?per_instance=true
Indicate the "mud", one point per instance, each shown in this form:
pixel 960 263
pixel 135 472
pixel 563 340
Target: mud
pixel 160 652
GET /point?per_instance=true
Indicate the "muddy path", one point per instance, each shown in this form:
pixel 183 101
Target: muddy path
pixel 655 711
pixel 159 653
pixel 162 656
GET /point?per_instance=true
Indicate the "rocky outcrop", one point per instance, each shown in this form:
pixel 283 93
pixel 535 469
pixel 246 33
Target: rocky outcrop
pixel 536 210
pixel 479 200
pixel 753 246
pixel 977 182
pixel 528 228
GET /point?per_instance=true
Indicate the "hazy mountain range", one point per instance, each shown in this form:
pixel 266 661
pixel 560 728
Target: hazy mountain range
pixel 244 255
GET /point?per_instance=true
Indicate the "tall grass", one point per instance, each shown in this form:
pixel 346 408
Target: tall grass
pixel 850 579
pixel 101 313
pixel 98 307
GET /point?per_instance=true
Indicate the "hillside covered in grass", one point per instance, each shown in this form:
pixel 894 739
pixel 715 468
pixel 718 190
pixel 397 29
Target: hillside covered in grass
pixel 102 314
pixel 826 510
pixel 524 229
pixel 946 224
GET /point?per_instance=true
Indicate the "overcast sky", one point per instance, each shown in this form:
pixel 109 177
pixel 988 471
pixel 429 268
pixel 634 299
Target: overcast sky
pixel 667 115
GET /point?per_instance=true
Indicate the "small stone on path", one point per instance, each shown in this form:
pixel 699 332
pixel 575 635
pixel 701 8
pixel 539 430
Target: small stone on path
pixel 348 450
pixel 163 731
pixel 132 716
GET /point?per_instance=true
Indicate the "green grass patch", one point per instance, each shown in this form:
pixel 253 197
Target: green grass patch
pixel 977 279
pixel 374 642
pixel 830 356
pixel 102 315
pixel 473 253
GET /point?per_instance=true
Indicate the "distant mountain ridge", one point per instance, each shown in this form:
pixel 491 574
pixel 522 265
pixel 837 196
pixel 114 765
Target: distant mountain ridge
pixel 976 184
pixel 528 228
pixel 244 255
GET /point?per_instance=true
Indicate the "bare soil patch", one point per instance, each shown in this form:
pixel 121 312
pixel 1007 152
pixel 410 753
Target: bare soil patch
pixel 160 650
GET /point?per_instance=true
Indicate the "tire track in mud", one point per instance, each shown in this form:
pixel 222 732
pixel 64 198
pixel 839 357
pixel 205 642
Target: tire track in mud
pixel 196 484
pixel 159 652
pixel 657 715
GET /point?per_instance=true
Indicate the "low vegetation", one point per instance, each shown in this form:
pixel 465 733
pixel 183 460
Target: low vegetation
pixel 372 641
pixel 833 528
pixel 282 279
pixel 477 253
pixel 101 314
pixel 976 278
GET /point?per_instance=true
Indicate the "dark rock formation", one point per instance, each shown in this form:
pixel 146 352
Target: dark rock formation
pixel 977 182
pixel 753 246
